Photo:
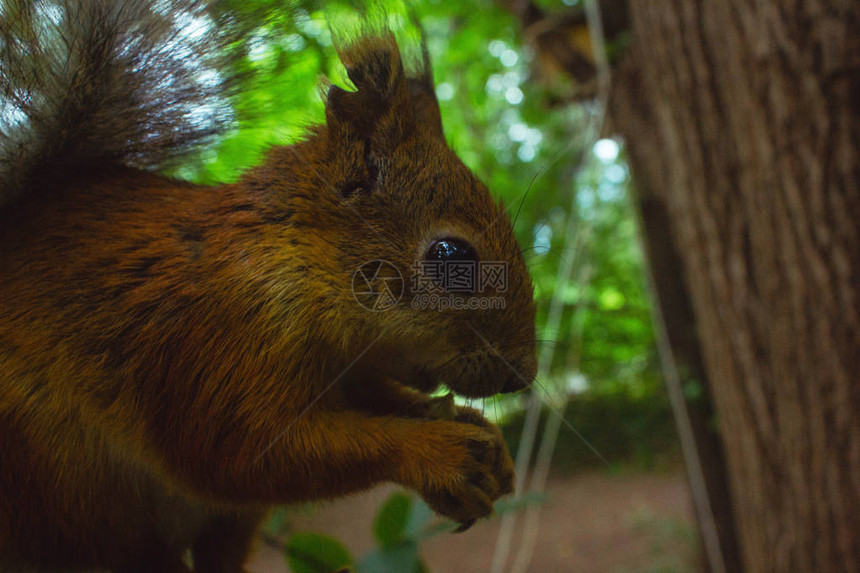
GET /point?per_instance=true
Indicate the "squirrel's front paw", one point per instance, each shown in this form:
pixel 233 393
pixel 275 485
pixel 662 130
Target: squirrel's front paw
pixel 484 472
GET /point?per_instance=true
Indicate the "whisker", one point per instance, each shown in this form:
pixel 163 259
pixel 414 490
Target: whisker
pixel 544 168
pixel 541 172
pixel 535 248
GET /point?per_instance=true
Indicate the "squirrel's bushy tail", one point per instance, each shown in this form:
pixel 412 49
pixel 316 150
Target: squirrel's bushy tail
pixel 91 82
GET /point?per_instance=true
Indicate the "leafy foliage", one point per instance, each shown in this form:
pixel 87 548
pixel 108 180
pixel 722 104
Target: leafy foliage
pixel 315 553
pixel 389 527
pixel 399 528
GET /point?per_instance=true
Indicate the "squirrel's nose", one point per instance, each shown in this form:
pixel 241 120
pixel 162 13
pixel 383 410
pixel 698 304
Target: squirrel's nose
pixel 514 383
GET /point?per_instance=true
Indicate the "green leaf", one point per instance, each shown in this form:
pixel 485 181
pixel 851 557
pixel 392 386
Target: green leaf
pixel 390 523
pixel 315 553
pixel 419 518
pixel 403 558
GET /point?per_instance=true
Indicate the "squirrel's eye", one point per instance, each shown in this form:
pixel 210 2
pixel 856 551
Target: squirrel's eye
pixel 451 249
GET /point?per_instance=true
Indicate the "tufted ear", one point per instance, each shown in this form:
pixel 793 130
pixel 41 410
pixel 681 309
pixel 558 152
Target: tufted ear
pixel 381 103
pixel 386 105
pixel 367 127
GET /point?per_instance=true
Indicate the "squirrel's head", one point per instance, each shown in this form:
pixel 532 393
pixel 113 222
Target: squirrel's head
pixel 404 246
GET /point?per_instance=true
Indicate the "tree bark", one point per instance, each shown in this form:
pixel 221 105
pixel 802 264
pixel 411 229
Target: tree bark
pixel 684 369
pixel 743 119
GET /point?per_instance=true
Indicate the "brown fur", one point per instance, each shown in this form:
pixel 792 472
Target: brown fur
pixel 174 358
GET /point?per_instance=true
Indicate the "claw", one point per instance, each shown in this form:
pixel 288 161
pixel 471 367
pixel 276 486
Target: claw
pixel 465 525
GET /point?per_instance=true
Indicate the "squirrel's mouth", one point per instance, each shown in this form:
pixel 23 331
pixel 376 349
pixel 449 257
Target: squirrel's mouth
pixel 471 375
pixel 484 390
pixel 492 376
pixel 481 386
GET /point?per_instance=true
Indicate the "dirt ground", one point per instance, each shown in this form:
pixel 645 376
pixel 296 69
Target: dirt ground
pixel 591 523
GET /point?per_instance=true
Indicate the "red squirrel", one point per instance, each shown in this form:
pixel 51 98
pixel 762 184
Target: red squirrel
pixel 175 358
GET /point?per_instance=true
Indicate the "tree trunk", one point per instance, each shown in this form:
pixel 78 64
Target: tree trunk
pixel 743 119
pixel 684 371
